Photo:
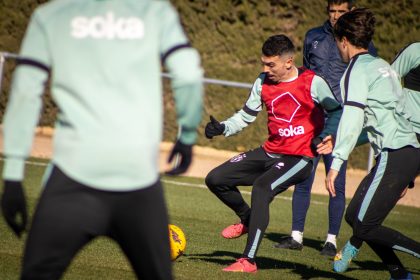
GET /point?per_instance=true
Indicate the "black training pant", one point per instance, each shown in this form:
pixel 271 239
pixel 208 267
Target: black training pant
pixel 70 214
pixel 269 176
pixel 375 197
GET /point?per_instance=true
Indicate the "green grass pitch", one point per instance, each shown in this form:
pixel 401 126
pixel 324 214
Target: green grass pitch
pixel 201 216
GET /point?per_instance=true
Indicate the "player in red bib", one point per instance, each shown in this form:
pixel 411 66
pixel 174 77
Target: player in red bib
pixel 295 100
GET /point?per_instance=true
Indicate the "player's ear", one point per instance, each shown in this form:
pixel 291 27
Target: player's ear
pixel 345 42
pixel 289 62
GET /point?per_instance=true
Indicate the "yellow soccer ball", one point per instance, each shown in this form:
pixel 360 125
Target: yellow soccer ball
pixel 177 241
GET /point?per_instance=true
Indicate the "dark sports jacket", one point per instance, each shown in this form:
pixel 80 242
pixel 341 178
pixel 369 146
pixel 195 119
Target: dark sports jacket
pixel 321 55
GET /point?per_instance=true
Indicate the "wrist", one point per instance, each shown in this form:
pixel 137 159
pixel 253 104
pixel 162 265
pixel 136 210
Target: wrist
pixel 336 164
pixel 13 169
pixel 188 137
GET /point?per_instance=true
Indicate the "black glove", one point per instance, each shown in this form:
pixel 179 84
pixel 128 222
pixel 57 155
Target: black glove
pixel 13 205
pixel 214 128
pixel 411 185
pixel 315 141
pixel 185 151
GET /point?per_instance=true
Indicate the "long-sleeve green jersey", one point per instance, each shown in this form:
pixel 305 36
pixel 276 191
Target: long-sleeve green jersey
pixel 373 100
pixel 407 65
pixel 104 61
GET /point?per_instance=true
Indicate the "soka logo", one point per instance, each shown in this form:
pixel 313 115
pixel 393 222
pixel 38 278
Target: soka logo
pixel 291 131
pixel 107 27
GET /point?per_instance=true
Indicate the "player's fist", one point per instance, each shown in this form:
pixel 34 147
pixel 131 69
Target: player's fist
pixel 183 150
pixel 214 128
pixel 13 206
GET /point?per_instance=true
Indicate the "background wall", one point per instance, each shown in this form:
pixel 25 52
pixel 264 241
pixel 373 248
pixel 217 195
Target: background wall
pixel 229 35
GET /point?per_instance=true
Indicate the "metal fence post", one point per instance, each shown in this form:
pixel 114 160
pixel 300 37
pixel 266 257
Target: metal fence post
pixel 370 160
pixel 2 61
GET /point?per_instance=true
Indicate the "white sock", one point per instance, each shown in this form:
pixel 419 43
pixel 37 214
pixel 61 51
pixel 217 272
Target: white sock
pixel 297 236
pixel 332 239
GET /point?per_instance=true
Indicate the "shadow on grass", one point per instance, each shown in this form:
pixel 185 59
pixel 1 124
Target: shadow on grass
pixel 225 258
pixel 378 266
pixel 307 242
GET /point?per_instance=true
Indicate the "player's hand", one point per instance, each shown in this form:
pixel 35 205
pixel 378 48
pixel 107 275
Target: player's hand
pixel 329 181
pixel 214 128
pixel 183 150
pixel 13 205
pixel 325 146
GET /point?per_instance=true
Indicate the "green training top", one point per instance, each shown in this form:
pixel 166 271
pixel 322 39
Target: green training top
pixel 104 59
pixel 373 100
pixel 407 65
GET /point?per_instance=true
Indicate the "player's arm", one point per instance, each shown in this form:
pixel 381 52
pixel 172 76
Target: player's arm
pixel 183 63
pixel 407 59
pixel 322 94
pixel 21 117
pixel 25 101
pixel 242 118
pixel 249 111
pixel 355 90
pixel 184 66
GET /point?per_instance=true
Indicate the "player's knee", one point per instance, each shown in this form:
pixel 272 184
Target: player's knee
pixel 349 217
pixel 261 189
pixel 361 230
pixel 214 179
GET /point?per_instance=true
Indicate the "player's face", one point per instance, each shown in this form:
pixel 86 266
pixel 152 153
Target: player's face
pixel 336 11
pixel 277 67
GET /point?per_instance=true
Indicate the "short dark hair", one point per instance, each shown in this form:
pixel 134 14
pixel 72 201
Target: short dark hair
pixel 278 45
pixel 350 3
pixel 358 26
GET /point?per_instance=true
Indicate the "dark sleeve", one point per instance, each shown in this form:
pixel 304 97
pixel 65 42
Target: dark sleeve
pixel 305 52
pixel 372 49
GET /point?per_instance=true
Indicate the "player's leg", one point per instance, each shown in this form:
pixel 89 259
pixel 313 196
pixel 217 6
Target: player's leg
pixel 399 167
pixel 390 260
pixel 376 197
pixel 240 170
pixel 67 216
pixel 300 205
pixel 140 226
pixel 350 250
pixel 336 207
pixel 284 172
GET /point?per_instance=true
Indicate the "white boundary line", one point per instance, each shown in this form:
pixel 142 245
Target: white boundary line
pixel 201 186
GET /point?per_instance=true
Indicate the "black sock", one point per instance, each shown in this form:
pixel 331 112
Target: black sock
pixel 246 218
pixel 248 259
pixel 397 272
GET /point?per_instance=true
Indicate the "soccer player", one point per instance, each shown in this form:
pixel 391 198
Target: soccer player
pixel 407 65
pixel 104 60
pixel 321 55
pixel 372 96
pixel 295 100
